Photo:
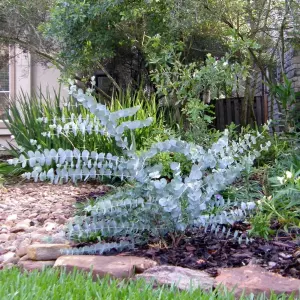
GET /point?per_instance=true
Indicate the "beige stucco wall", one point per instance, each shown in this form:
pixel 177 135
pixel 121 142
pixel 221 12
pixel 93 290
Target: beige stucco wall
pixel 45 78
pixel 29 77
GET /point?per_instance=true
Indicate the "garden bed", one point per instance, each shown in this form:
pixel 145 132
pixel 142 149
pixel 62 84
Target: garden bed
pixel 197 250
pixel 205 251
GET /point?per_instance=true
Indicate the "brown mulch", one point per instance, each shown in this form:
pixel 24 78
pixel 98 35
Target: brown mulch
pixel 205 251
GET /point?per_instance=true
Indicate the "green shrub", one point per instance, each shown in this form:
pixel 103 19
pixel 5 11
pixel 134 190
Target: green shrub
pixel 283 204
pixel 199 118
pixel 279 205
pixel 22 116
pixel 152 206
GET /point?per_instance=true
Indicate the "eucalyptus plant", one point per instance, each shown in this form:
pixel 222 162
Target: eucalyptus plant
pixel 153 205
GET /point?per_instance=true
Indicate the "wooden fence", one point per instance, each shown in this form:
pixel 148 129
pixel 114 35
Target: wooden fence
pixel 229 110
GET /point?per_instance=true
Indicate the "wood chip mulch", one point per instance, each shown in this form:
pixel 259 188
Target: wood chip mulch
pixel 205 251
pixel 202 250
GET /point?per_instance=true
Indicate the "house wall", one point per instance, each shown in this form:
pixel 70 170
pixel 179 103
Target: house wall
pixel 29 77
pixel 292 70
pixel 292 67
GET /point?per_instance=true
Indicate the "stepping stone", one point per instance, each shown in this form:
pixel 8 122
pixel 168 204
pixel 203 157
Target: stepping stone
pixel 254 279
pixel 182 278
pixel 114 266
pixel 30 265
pixel 45 251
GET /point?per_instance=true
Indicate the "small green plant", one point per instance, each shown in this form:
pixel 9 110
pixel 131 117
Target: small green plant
pixel 284 205
pixel 199 117
pixel 9 171
pixel 22 116
pixel 281 204
pixel 286 98
pixel 166 159
pixel 260 225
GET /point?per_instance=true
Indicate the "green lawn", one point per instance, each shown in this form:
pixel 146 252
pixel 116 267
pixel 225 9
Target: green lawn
pixel 51 284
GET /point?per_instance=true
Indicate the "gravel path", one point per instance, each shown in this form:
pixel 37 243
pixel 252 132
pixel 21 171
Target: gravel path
pixel 36 213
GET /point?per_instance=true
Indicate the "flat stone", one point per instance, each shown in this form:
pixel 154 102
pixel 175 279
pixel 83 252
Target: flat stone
pixel 25 257
pixel 41 231
pixel 59 238
pixel 42 218
pixel 7 257
pixel 10 249
pixel 33 215
pixel 254 279
pixel 45 251
pixel 14 260
pixel 36 237
pixel 30 229
pixel 22 226
pixel 9 223
pixel 272 264
pixel 30 265
pixel 114 266
pixel 50 226
pixel 3 250
pixel 182 278
pixel 12 236
pixel 61 220
pixel 5 229
pixel 22 249
pixel 13 217
pixel 4 237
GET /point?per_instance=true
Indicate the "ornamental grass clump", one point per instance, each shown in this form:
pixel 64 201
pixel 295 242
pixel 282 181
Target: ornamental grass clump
pixel 44 121
pixel 153 205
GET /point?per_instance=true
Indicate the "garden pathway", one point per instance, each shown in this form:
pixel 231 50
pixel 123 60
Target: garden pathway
pixel 36 213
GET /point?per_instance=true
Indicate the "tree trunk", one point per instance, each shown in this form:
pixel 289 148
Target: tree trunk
pixel 245 103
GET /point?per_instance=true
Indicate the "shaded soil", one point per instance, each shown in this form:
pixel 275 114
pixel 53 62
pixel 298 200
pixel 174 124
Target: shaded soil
pixel 205 251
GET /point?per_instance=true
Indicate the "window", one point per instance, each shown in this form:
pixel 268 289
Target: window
pixel 4 78
pixel 104 83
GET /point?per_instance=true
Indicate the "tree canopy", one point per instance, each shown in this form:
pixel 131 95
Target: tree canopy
pixel 20 24
pixel 81 36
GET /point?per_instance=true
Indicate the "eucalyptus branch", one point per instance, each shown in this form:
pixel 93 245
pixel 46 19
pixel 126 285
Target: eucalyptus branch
pixel 81 84
pixel 152 206
pixel 109 77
